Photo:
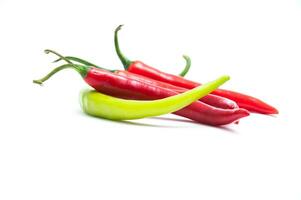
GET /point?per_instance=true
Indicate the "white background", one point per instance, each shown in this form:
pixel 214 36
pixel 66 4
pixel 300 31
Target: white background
pixel 50 150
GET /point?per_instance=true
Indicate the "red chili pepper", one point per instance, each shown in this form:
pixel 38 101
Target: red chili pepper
pixel 124 86
pixel 244 101
pixel 213 100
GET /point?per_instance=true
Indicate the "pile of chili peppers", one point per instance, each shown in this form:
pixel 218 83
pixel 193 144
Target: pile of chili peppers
pixel 142 91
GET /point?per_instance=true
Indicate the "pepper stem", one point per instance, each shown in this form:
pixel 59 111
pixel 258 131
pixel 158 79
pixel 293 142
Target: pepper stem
pixel 82 70
pixel 187 66
pixel 47 51
pixel 79 60
pixel 125 61
pixel 84 62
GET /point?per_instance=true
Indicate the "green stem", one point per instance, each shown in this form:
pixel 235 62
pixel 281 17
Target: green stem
pixel 82 70
pixel 125 61
pixel 47 51
pixel 79 60
pixel 187 66
pixel 87 63
pixel 84 62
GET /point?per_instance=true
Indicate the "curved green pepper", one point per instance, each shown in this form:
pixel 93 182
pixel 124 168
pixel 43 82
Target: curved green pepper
pixel 105 106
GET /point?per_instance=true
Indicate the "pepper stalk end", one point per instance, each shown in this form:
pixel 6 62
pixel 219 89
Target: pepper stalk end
pixel 125 61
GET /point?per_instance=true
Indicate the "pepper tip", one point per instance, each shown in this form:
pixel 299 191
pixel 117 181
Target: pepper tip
pixel 243 112
pixel 226 77
pixel 37 82
pixel 118 27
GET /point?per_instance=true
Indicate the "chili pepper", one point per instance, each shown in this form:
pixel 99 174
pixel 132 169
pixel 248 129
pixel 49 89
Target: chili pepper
pixel 210 99
pixel 244 101
pixel 101 105
pixel 116 85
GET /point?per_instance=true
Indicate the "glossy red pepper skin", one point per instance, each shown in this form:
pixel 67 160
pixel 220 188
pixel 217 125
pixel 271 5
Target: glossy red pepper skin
pixel 243 101
pixel 213 100
pixel 126 87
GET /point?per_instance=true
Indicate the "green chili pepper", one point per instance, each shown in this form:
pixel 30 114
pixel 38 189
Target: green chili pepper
pixel 104 106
